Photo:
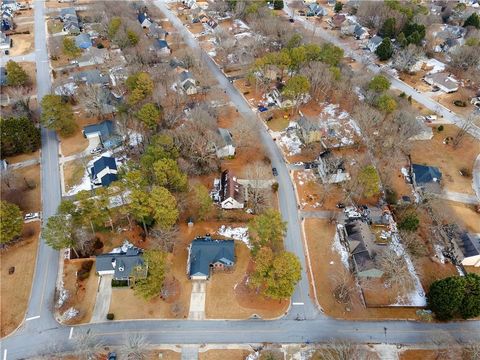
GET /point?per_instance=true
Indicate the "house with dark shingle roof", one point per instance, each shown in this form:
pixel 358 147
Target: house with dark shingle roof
pixel 3 76
pixel 160 47
pixel 125 265
pixel 104 171
pixel 83 41
pixel 467 249
pixel 426 177
pixel 103 130
pixel 144 20
pixel 225 146
pixel 206 255
pixel 232 193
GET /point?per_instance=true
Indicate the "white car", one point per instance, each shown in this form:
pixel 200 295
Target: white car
pixel 31 216
pixel 96 150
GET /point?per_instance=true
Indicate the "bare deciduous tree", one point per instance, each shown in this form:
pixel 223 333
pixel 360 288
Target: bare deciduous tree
pixel 134 347
pixel 86 345
pixel 465 127
pixel 340 350
pixel 164 239
pixel 258 190
pixel 395 272
pixel 404 59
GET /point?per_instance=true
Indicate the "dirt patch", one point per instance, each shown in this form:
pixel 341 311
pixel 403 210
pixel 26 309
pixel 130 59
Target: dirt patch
pixel 230 354
pixel 462 213
pixel 54 26
pixel 313 195
pixel 449 160
pixel 429 271
pixel 421 354
pixel 22 44
pixel 463 94
pixel 22 187
pixel 82 293
pixel 15 288
pixel 23 157
pixel 229 297
pixel 326 262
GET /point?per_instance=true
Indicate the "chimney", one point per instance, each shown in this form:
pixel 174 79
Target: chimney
pixel 208 237
pixel 114 263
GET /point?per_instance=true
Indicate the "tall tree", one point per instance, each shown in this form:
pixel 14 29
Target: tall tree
pixel 11 221
pixel 140 85
pixel 385 50
pixel 267 230
pixel 134 347
pixel 338 7
pixel 70 48
pixel 389 28
pixel 296 88
pixel 473 20
pixel 379 83
pixel 369 180
pixel 113 27
pixel 58 233
pixel 276 275
pixel 386 103
pixel 164 206
pixel 16 75
pixel 149 114
pixel 58 115
pixel 168 174
pixel 202 202
pixel 150 287
pixel 18 136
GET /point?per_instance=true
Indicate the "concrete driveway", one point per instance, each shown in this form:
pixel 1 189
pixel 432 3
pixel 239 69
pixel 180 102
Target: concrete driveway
pixel 102 302
pixel 197 300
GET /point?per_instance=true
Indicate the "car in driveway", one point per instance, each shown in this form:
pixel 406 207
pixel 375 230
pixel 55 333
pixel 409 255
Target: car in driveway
pixel 96 150
pixel 274 172
pixel 112 356
pixel 31 216
pixel 262 108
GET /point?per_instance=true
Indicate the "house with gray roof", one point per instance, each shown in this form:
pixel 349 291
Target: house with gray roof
pixel 124 264
pixel 3 76
pixel 156 31
pixel 443 81
pixel 91 77
pixel 374 43
pixel 104 131
pixel 160 47
pixel 207 255
pixel 466 248
pixel 309 129
pixel 359 32
pixel 225 146
pixel 188 83
pixel 104 171
pixel 426 177
pixel 83 41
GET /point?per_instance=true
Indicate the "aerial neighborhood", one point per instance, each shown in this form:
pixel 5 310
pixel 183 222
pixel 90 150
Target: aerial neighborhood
pixel 309 169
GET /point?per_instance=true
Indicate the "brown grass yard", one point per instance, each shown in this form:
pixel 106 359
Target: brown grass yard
pixel 76 143
pixel 82 294
pixel 22 44
pixel 224 354
pixel 461 214
pixel 228 296
pixel 73 172
pixel 15 288
pixel 449 160
pixel 320 234
pixel 23 157
pixel 28 199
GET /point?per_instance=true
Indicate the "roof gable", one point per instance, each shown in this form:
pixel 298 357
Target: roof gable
pixel 206 251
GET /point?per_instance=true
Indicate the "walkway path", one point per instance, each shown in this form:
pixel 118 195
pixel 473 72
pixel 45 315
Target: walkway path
pixel 23 164
pixel 460 197
pixel 190 352
pixel 476 177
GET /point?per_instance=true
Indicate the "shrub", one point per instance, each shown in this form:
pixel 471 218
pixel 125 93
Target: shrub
pixel 83 274
pixel 460 103
pixel 98 244
pixel 87 265
pixel 119 283
pixel 110 316
pixel 465 172
pixel 409 222
pixel 275 187
pixel 100 46
pixel 391 196
pixel 440 128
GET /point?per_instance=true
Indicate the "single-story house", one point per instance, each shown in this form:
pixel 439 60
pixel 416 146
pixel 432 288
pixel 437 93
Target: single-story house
pixel 91 77
pixel 144 20
pixel 360 33
pixel 374 43
pixel 72 27
pixel 92 56
pixel 155 31
pixel 104 131
pixel 426 177
pixel 5 42
pixel 83 41
pixel 309 129
pixel 206 255
pixel 126 265
pixel 336 21
pixel 160 47
pixel 226 147
pixel 467 249
pixel 187 82
pixel 232 194
pixel 3 76
pixel 104 171
pixel 443 81
pixel 212 23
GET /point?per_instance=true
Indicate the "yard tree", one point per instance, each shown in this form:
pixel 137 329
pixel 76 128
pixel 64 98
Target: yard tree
pixel 379 84
pixel 86 344
pixel 19 135
pixel 132 37
pixel 161 146
pixel 330 54
pixel 471 302
pixel 140 85
pixel 202 202
pixel 135 347
pixel 92 209
pixel 414 33
pixel 168 174
pixel 149 114
pixel 388 28
pixel 16 76
pixel 395 272
pixel 338 7
pixel 297 57
pixel 11 221
pixel 113 27
pixel 164 206
pixel 58 232
pixel 445 296
pixel 402 40
pixel 473 20
pixel 409 222
pixel 340 350
pixel 386 103
pixel 58 115
pixel 405 59
pixel 70 48
pixel 267 230
pixel 276 275
pixel 150 287
pixel 278 4
pixel 139 207
pixel 385 50
pixel 135 180
pixel 369 180
pixel 296 87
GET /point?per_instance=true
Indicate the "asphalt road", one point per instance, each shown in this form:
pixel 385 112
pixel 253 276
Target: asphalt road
pixel 41 334
pixel 421 98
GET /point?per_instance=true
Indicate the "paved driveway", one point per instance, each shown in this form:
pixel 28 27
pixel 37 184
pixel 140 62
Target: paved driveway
pixel 197 300
pixel 102 302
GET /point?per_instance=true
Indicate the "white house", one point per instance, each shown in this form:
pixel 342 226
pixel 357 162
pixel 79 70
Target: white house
pixel 144 20
pixel 188 83
pixel 443 81
pixel 226 147
pixel 232 194
pixel 374 43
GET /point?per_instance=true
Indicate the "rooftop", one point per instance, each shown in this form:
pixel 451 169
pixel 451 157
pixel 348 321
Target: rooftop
pixel 207 251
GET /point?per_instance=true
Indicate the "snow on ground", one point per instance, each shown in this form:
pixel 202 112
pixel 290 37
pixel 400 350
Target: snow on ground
pixel 134 138
pixel 439 253
pixel 236 233
pixel 69 314
pixel 63 295
pixel 85 184
pixel 417 297
pixel 289 140
pixel 122 249
pixel 386 351
pixel 305 176
pixel 339 248
pixel 438 66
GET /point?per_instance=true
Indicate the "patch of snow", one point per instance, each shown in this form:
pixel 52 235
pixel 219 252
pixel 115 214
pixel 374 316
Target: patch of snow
pixel 134 138
pixel 85 184
pixel 253 356
pixel 62 296
pixel 69 314
pixel 291 142
pixel 338 247
pixel 212 53
pixel 439 253
pixel 438 66
pixel 122 249
pixel 359 93
pixel 236 233
pixel 386 351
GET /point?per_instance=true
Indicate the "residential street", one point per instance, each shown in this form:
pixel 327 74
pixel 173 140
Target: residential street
pixel 41 334
pixel 421 98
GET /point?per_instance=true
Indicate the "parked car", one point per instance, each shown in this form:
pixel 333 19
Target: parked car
pixel 430 118
pixel 31 216
pixel 7 52
pixel 274 172
pixel 341 205
pixel 112 356
pixel 291 20
pixel 96 150
pixel 262 108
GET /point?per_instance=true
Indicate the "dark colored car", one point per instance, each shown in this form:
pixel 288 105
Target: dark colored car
pixel 112 356
pixel 262 108
pixel 340 205
pixel 291 20
pixel 7 52
pixel 274 172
